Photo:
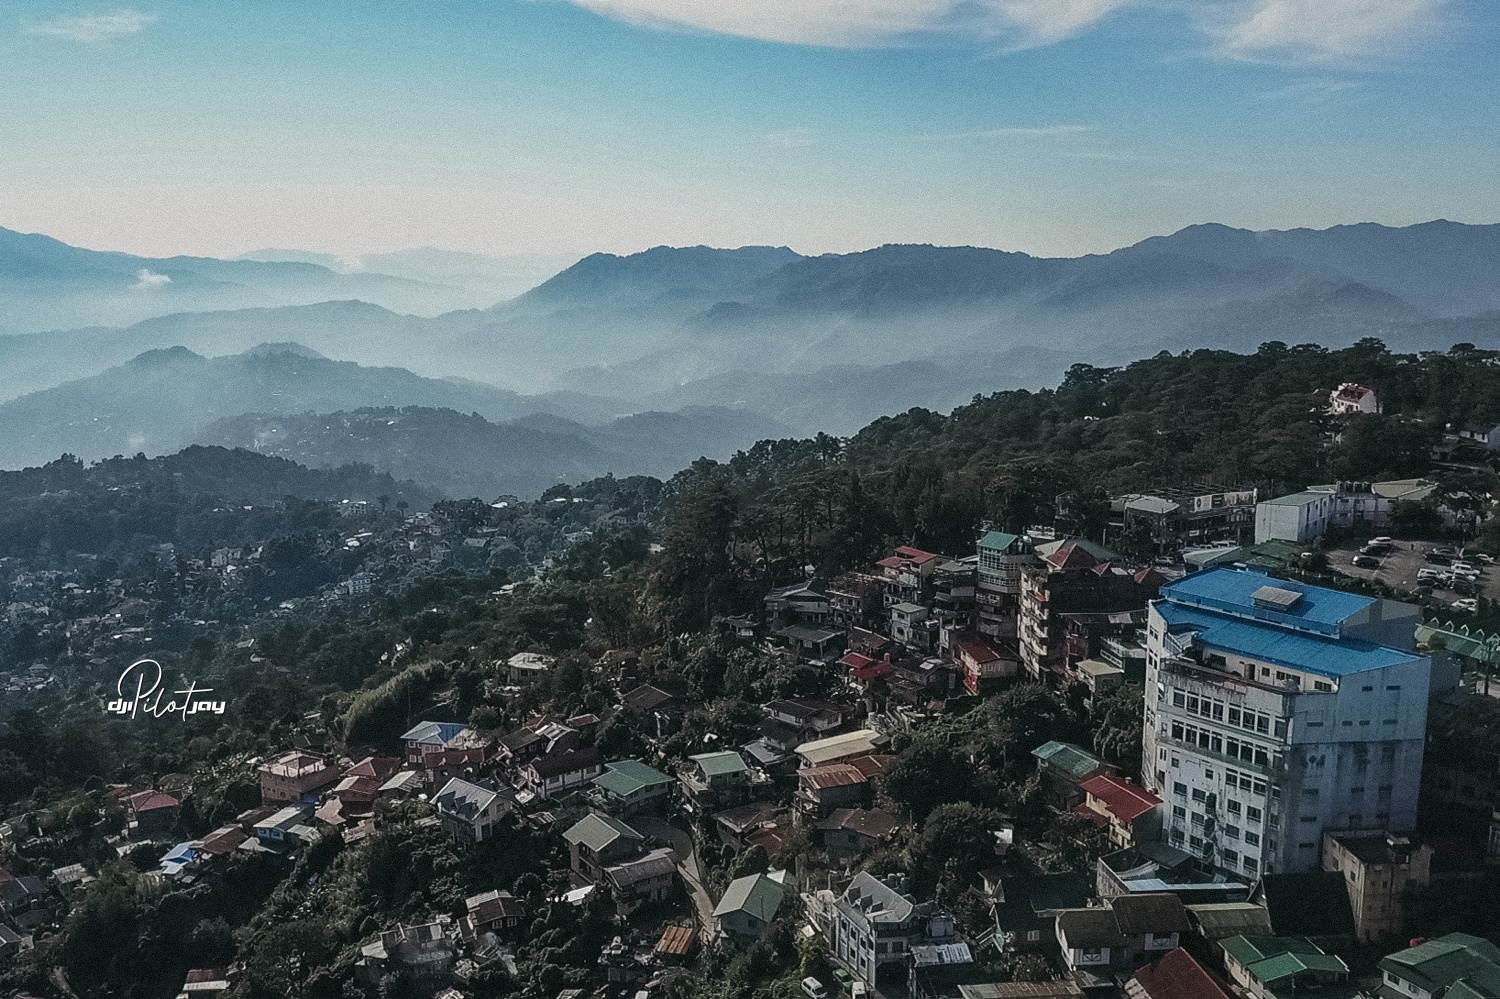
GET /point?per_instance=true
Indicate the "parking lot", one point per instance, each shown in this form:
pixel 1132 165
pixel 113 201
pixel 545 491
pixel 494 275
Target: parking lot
pixel 1398 568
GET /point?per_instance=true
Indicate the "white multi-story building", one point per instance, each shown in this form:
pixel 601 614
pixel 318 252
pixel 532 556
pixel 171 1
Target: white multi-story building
pixel 1276 711
pixel 1002 557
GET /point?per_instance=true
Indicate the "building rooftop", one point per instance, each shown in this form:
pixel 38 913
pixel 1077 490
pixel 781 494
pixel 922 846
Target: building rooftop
pixel 860 742
pixel 626 777
pixel 1125 800
pixel 1066 756
pixel 757 895
pixel 1326 656
pixel 597 831
pixel 1256 595
pixel 1447 960
pixel 720 764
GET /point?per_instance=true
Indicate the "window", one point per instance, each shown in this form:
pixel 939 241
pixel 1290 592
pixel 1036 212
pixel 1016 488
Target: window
pixel 1196 842
pixel 1178 699
pixel 1179 812
pixel 1233 832
pixel 1252 814
pixel 1234 716
pixel 1263 724
pixel 1198 794
pixel 1177 730
pixel 1179 788
pixel 1393 686
pixel 1325 687
pixel 1367 689
pixel 1252 839
pixel 1231 857
pixel 1216 743
pixel 1208 773
pixel 1198 819
pixel 1260 787
pixel 1233 806
pixel 1192 704
pixel 1251 865
pixel 1280 728
pixel 1177 835
pixel 1356 790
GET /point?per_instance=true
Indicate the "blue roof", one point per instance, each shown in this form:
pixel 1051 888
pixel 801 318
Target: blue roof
pixel 1231 591
pixel 1331 657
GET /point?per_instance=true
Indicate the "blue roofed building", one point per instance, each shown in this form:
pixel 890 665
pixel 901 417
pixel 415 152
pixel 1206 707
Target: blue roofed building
pixel 1278 711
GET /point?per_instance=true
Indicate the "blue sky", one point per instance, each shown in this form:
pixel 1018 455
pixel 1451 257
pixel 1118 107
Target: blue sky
pixel 519 126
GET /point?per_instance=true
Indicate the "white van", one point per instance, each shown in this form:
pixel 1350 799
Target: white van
pixel 859 991
pixel 813 989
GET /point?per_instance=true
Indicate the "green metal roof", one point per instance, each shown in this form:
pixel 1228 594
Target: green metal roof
pixel 626 777
pixel 1447 959
pixel 1281 966
pixel 1460 639
pixel 1066 756
pixel 756 895
pixel 997 540
pixel 597 831
pixel 719 764
pixel 1249 950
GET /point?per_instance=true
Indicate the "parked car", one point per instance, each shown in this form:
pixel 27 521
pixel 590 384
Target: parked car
pixel 1463 587
pixel 1438 558
pixel 814 989
pixel 1482 558
pixel 1467 604
pixel 844 978
pixel 1366 562
pixel 1445 550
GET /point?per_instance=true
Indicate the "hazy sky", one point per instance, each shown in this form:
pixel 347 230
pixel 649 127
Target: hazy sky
pixel 505 126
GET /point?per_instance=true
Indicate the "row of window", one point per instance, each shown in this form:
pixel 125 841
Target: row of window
pixel 1250 721
pixel 1216 743
pixel 1248 782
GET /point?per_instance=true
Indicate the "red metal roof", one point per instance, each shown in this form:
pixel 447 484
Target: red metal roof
pixel 856 660
pixel 1177 976
pixel 1126 801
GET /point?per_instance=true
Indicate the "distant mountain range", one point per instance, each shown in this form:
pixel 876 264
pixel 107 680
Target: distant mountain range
pixel 823 343
pixel 287 400
pixel 469 456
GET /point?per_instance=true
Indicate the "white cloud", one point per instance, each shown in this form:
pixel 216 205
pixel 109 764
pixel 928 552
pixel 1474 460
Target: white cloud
pixel 1285 31
pixel 861 23
pixel 93 29
pixel 1327 31
pixel 146 280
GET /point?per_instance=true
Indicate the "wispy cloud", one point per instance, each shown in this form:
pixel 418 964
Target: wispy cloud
pixel 1293 32
pixel 147 280
pixel 93 29
pixel 1326 31
pixel 868 23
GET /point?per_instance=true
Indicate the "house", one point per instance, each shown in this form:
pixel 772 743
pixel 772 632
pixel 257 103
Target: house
pixel 1352 399
pixel 1379 870
pixel 1177 975
pixel 791 722
pixel 849 833
pixel 470 812
pixel 854 600
pixel 714 781
pixel 1121 935
pixel 152 813
pixel 1458 965
pixel 491 912
pixel 597 841
pixel 286 829
pixel 860 742
pixel 11 942
pixel 749 906
pixel 70 878
pixel 817 645
pixel 204 983
pixel 987 663
pixel 629 786
pixel 1131 813
pixel 676 944
pixel 1025 907
pixel 737 826
pixel 434 737
pixel 1313 904
pixel 1214 922
pixel 561 771
pixel 423 951
pixel 875 924
pixel 803 603
pixel 649 877
pixel 527 667
pixel 295 776
pixel 654 704
pixel 1065 768
pixel 1280 967
pixel 25 902
pixel 820 790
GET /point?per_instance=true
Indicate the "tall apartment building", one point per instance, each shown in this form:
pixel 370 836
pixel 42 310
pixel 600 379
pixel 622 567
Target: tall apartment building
pixel 1071 580
pixel 1276 712
pixel 1002 557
